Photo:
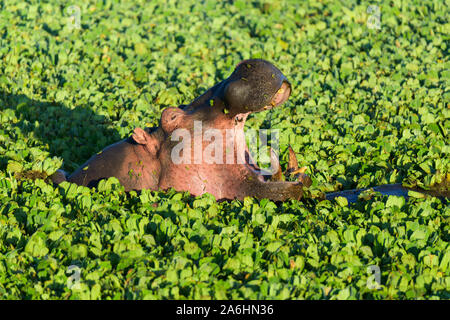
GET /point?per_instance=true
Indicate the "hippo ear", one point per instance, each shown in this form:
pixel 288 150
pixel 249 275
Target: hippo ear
pixel 148 140
pixel 140 136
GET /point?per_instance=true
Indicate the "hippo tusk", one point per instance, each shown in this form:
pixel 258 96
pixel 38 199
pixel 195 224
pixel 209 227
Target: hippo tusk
pixel 292 162
pixel 293 169
pixel 275 164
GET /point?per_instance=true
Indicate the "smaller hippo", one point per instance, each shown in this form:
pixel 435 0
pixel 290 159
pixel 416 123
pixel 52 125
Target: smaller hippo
pixel 173 154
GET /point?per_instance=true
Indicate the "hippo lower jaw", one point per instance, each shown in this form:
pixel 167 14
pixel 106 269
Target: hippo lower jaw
pixel 270 183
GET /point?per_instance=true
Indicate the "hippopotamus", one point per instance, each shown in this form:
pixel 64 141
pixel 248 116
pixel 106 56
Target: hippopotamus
pixel 201 148
pixel 212 156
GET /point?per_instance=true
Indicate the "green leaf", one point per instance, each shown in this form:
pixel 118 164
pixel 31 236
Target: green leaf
pixel 341 201
pixel 445 261
pixel 36 245
pixel 191 247
pixel 395 201
pixel 78 251
pixel 274 246
pixel 419 234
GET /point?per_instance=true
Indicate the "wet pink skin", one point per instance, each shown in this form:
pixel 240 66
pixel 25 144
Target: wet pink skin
pixel 145 160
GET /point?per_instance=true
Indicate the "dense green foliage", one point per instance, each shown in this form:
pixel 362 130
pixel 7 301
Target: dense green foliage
pixel 369 107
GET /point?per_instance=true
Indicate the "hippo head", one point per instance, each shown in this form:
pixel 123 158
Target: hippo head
pixel 255 85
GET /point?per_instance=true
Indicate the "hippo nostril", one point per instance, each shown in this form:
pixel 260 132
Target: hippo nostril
pixel 282 94
pixel 238 119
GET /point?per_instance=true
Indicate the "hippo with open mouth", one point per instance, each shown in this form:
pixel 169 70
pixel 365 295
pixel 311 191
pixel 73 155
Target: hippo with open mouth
pixel 201 147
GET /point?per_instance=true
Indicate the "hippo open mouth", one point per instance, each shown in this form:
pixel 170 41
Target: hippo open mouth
pixel 201 147
pixel 281 96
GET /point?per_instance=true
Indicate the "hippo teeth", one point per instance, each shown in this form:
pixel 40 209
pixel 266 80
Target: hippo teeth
pixel 276 168
pixel 293 170
pixel 292 163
